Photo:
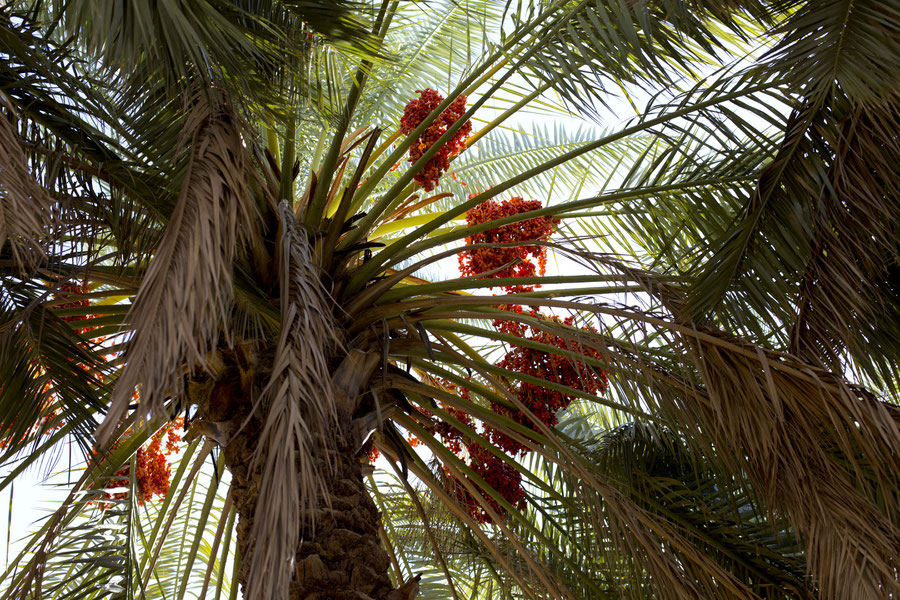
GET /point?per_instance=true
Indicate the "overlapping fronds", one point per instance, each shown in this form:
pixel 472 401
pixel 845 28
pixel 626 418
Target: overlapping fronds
pixel 25 208
pixel 105 543
pixel 822 219
pixel 606 45
pixel 90 558
pixel 849 296
pixel 834 45
pixel 660 473
pixel 150 42
pixel 83 549
pixel 770 419
pixel 743 471
pixel 184 544
pixel 51 374
pixel 601 533
pixel 665 560
pixel 816 449
pixel 786 422
pixel 173 331
pixel 299 416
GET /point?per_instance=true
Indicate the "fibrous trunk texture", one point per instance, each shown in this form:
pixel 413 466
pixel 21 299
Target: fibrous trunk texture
pixel 339 556
pixel 342 557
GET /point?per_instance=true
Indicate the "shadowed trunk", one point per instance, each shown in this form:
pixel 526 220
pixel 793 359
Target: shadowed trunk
pixel 342 557
pixel 338 558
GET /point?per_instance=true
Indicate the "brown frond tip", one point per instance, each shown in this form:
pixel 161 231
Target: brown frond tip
pixel 25 208
pixel 817 450
pixel 849 296
pixel 300 420
pixel 187 292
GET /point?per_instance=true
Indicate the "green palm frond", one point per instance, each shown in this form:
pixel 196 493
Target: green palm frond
pixel 173 557
pixel 810 224
pixel 607 47
pixel 662 474
pixel 52 374
pixel 836 45
pixel 433 44
pixel 82 550
pixel 819 221
pixel 509 153
pixel 98 546
pixel 222 41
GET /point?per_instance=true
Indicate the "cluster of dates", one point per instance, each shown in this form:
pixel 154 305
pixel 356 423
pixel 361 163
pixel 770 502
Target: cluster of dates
pixel 535 403
pixel 514 259
pixel 517 249
pixel 153 473
pixel 413 115
pixel 564 365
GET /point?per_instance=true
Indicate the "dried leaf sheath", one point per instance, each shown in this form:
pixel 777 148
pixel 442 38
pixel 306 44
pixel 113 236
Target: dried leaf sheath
pixel 299 417
pixel 187 291
pixel 24 205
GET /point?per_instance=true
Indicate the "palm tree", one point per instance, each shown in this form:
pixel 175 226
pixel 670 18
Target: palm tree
pixel 240 213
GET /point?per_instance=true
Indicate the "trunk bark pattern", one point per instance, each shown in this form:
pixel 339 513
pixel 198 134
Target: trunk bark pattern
pixel 340 557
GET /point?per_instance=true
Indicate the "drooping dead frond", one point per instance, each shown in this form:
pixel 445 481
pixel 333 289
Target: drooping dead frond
pixel 24 205
pixel 300 417
pixel 849 297
pixel 817 450
pixel 187 291
pixel 813 448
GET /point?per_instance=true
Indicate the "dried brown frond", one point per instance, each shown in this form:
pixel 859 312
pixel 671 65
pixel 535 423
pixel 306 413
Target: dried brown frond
pixel 825 454
pixel 818 450
pixel 821 452
pixel 850 296
pixel 25 208
pixel 298 410
pixel 187 292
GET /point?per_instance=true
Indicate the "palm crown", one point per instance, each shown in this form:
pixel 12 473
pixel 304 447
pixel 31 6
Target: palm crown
pixel 238 217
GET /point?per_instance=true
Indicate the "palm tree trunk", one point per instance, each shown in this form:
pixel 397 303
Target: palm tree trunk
pixel 343 551
pixel 340 555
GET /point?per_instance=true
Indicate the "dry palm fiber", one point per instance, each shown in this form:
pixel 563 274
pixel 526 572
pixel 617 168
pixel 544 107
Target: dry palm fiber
pixel 24 205
pixel 298 411
pixel 187 291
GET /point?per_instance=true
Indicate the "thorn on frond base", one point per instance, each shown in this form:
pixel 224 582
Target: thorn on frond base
pixel 407 591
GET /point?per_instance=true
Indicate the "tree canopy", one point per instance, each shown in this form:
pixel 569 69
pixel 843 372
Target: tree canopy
pixel 392 300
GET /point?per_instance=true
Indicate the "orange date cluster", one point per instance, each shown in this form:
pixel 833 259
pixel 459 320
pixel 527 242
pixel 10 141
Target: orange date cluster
pixel 508 261
pixel 153 472
pixel 416 111
pixel 564 369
